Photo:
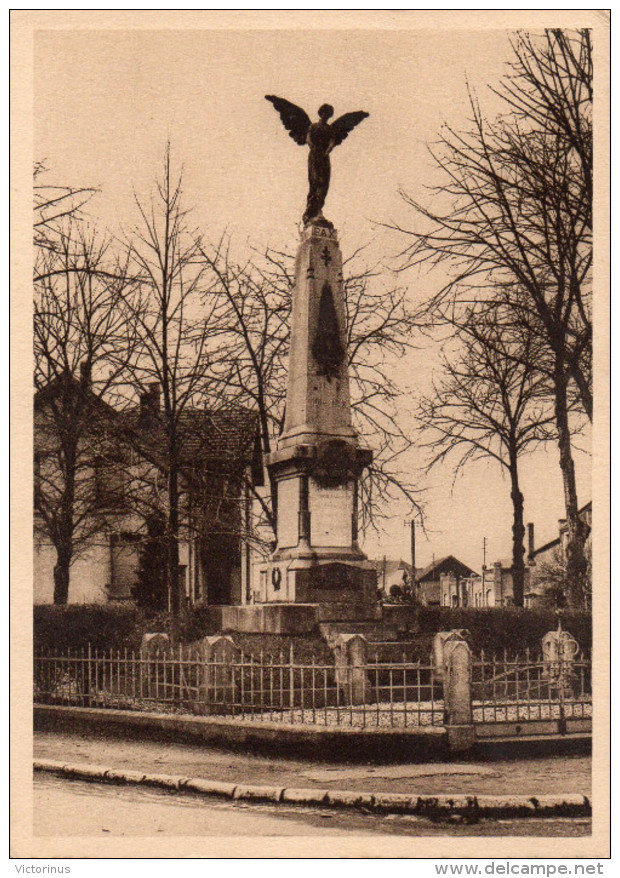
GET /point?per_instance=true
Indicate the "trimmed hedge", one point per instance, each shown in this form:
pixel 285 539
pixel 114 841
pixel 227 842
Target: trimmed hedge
pixel 119 627
pixel 108 626
pixel 113 626
pixel 511 628
pixel 104 626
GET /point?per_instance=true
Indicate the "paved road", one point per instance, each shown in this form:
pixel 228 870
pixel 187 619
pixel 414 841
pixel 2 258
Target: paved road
pixel 562 774
pixel 75 808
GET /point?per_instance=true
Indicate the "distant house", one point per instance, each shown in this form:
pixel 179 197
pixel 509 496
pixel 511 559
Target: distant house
pixel 543 569
pixel 120 491
pixel 496 586
pixel 440 583
pixel 546 563
pixel 391 572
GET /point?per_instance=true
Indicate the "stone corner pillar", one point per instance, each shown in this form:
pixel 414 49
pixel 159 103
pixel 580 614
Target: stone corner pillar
pixel 350 656
pixel 457 666
pixel 216 690
pixel 154 645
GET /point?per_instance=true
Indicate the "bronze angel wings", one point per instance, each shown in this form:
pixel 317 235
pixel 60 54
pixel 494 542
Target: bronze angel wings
pixel 297 122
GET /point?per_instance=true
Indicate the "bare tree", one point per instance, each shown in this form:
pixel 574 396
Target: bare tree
pixel 550 83
pixel 255 299
pixel 172 323
pixel 54 206
pixel 81 347
pixel 515 214
pixel 380 333
pixel 490 403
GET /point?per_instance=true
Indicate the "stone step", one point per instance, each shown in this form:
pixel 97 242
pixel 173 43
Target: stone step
pixel 374 632
pixel 395 651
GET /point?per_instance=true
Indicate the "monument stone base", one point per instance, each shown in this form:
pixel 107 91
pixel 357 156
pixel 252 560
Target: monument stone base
pixel 291 619
pixel 341 586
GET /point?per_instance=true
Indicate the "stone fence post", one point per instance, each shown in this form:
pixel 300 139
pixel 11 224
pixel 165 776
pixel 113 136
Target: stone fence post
pixel 559 650
pixel 437 653
pixel 154 645
pixel 217 685
pixel 457 665
pixel 350 657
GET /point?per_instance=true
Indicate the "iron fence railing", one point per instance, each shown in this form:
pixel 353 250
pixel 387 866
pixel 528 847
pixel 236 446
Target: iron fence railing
pixel 263 687
pixel 279 688
pixel 529 686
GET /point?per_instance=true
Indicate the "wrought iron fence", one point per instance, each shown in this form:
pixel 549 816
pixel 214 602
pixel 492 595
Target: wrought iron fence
pixel 262 687
pixel 531 687
pixel 550 691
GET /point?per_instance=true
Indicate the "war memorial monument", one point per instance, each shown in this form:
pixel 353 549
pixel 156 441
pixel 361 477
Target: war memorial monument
pixel 317 571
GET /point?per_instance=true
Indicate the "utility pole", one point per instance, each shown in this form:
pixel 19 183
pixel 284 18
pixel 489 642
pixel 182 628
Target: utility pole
pixel 412 549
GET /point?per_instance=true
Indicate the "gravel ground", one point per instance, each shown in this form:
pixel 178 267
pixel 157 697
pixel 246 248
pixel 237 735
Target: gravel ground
pixel 381 715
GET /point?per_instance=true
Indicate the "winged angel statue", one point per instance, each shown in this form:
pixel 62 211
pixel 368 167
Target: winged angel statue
pixel 321 137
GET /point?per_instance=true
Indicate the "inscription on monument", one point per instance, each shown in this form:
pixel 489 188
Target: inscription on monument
pixel 331 509
pixel 288 502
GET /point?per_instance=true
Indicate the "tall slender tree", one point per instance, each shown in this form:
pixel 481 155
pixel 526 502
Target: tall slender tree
pixel 514 213
pixel 174 360
pixel 489 403
pixel 82 346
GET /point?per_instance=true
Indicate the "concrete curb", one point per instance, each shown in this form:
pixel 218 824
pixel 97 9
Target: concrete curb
pixel 469 808
pixel 320 743
pixel 233 734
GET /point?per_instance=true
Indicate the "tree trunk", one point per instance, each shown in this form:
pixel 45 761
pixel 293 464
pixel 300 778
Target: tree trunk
pixel 576 564
pixel 62 576
pixel 518 533
pixel 585 393
pixel 174 584
pixel 266 446
pixel 63 536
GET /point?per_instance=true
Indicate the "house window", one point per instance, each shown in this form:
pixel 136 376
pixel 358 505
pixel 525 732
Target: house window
pixel 109 485
pixel 124 563
pixel 182 578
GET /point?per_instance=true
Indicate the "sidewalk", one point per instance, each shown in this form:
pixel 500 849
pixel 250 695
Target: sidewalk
pixel 557 776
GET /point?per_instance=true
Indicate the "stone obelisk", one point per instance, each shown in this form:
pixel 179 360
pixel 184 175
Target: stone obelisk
pixel 319 460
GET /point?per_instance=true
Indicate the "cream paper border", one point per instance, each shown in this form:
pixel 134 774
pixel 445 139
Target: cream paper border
pixel 24 844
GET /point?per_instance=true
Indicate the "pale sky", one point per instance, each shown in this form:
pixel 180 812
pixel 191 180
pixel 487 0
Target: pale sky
pixel 106 102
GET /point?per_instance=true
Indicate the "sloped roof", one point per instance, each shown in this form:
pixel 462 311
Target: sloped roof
pixel 546 547
pixel 226 436
pixel 69 383
pixel 444 565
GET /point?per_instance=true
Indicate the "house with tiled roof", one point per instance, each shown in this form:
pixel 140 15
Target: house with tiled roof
pixel 120 489
pixel 441 575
